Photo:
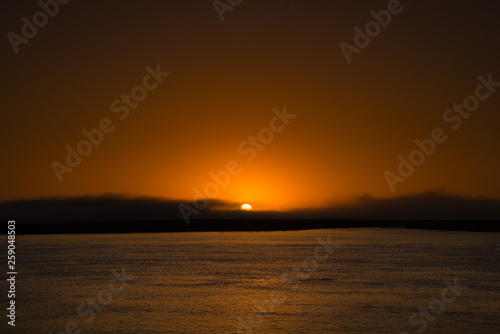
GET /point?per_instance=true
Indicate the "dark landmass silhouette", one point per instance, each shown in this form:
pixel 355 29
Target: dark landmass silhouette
pixel 222 225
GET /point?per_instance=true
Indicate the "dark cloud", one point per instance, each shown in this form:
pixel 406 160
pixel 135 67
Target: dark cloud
pixel 427 206
pixel 96 208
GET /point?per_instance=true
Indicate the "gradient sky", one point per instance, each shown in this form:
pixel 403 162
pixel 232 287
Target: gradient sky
pixel 353 120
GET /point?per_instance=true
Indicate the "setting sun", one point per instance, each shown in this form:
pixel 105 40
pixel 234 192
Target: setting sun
pixel 246 207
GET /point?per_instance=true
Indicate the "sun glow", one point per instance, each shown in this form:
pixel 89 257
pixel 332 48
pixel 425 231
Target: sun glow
pixel 246 207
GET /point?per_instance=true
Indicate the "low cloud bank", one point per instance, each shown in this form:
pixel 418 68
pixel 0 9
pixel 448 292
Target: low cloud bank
pixel 427 206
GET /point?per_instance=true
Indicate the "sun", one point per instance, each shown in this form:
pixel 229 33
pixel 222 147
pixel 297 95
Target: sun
pixel 246 207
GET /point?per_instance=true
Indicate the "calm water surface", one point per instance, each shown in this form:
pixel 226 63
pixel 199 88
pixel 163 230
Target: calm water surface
pixel 214 282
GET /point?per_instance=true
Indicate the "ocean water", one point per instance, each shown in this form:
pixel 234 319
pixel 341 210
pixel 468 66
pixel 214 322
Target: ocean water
pixel 364 281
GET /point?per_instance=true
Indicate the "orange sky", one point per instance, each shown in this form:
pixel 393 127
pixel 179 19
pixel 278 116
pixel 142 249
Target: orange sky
pixel 353 120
